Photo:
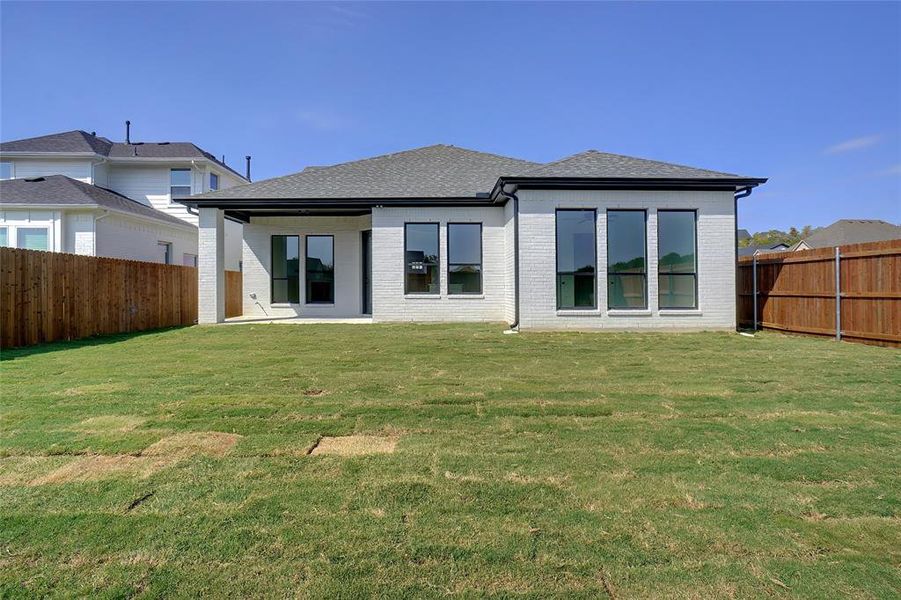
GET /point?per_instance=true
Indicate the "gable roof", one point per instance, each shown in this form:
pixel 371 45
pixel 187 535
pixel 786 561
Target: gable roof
pixel 81 141
pixel 59 190
pixel 438 171
pixel 448 172
pixel 594 164
pixel 853 231
pixel 761 248
pixel 744 234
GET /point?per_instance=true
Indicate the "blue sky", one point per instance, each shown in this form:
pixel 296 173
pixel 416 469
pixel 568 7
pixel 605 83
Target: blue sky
pixel 807 94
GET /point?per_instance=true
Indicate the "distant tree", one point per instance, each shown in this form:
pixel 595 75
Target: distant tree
pixel 776 236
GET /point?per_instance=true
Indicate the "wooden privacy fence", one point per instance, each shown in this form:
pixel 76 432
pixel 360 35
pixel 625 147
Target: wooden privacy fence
pixel 851 292
pixel 50 296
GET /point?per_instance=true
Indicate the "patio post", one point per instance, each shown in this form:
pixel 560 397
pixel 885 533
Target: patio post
pixel 211 266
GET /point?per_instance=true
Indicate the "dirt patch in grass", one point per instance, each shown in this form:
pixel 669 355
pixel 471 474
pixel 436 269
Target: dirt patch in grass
pixel 355 445
pixel 314 392
pixel 97 388
pixel 208 443
pixel 91 468
pixel 110 423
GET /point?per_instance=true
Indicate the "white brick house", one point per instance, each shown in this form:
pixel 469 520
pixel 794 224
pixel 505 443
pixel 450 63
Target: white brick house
pixel 442 233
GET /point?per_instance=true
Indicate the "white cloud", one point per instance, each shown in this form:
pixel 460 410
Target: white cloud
pixel 323 120
pixel 858 143
pixel 893 170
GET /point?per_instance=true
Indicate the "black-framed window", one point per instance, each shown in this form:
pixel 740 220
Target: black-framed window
pixel 627 275
pixel 285 269
pixel 320 271
pixel 677 258
pixel 421 272
pixel 464 258
pixel 179 183
pixel 576 258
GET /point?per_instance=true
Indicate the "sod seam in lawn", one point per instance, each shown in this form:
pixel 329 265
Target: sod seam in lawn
pixel 215 461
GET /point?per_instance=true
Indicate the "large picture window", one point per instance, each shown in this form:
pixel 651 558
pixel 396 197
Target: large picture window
pixel 677 279
pixel 285 269
pixel 421 258
pixel 320 272
pixel 464 258
pixel 576 259
pixel 626 259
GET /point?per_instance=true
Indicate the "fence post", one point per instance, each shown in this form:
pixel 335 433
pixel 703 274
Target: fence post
pixel 838 294
pixel 754 278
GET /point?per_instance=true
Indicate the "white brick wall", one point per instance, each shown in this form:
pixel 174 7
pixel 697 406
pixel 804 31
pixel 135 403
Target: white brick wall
pixel 348 275
pixel 388 299
pixel 121 236
pixel 716 259
pixel 211 266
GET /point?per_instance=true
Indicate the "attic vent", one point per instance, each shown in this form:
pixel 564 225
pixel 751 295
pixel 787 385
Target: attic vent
pixel 34 179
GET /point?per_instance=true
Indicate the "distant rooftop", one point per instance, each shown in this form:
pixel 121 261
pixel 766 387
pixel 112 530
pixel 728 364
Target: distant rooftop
pixel 853 231
pixel 61 190
pixel 79 141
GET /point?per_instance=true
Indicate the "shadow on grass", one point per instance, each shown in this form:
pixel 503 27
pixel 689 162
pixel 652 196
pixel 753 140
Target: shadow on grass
pixel 100 340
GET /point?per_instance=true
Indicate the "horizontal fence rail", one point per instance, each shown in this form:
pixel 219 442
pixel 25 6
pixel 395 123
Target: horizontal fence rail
pixel 851 292
pixel 51 296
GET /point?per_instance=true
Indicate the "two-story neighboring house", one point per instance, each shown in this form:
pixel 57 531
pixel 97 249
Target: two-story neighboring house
pixel 60 215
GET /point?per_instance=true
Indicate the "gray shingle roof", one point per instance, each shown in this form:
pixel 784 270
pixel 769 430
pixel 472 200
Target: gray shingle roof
pixel 81 141
pixel 443 171
pixel 438 171
pixel 67 141
pixel 592 163
pixel 853 231
pixel 62 190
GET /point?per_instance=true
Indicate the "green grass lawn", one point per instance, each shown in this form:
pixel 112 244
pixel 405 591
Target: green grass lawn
pixel 541 464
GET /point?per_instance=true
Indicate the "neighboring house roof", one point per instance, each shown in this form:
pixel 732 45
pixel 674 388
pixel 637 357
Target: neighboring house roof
pixel 438 171
pixel 80 141
pixel 852 231
pixel 760 249
pixel 443 171
pixel 744 234
pixel 592 163
pixel 59 190
pixel 67 141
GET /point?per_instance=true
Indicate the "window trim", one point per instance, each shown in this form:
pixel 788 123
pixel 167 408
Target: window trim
pixel 190 186
pixel 437 225
pixel 18 228
pixel 272 278
pixel 306 249
pixel 481 262
pixel 646 305
pixel 216 175
pixel 557 273
pixel 694 273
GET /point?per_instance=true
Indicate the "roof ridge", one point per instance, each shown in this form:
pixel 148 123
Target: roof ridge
pixel 322 168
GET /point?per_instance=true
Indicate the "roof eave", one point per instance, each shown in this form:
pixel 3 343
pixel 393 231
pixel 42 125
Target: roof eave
pixel 269 203
pixel 32 154
pixel 631 183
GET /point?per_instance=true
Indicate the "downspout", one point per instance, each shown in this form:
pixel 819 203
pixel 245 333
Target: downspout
pixel 96 218
pixel 512 195
pixel 744 193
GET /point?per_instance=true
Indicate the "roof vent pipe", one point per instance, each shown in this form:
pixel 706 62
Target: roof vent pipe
pixel 127 132
pixel 248 167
